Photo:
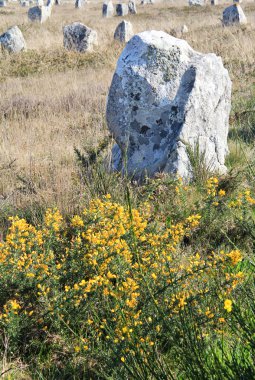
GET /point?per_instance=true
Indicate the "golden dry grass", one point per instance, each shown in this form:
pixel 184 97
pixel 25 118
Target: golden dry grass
pixel 52 100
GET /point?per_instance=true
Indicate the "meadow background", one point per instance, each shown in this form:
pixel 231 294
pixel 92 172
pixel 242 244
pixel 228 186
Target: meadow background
pixel 61 276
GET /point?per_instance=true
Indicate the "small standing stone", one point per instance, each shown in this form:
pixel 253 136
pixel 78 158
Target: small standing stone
pixel 124 31
pixel 12 40
pixel 39 13
pixel 78 3
pixel 121 9
pixel 108 9
pixel 233 15
pixel 79 37
pixel 132 7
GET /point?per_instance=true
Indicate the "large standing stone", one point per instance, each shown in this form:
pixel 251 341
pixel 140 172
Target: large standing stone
pixel 165 97
pixel 197 2
pixel 79 37
pixel 132 7
pixel 39 13
pixel 233 15
pixel 124 31
pixel 12 40
pixel 108 9
pixel 121 9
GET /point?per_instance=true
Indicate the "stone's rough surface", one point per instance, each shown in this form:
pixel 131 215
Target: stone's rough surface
pixel 39 13
pixel 79 37
pixel 233 15
pixel 12 40
pixel 121 9
pixel 124 31
pixel 108 9
pixel 165 97
pixel 132 7
pixel 197 2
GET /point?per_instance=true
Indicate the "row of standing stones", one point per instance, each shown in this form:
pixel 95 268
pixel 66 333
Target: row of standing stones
pixel 164 99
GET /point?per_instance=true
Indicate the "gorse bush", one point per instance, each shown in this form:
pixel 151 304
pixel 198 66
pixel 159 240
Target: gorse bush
pixel 118 293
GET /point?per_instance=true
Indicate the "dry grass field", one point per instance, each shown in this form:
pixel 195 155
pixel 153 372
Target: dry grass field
pixel 52 100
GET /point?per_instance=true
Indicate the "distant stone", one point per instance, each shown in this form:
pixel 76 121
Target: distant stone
pixel 78 3
pixel 197 2
pixel 124 31
pixel 150 2
pixel 184 29
pixel 12 40
pixel 132 7
pixel 108 9
pixel 179 31
pixel 39 13
pixel 3 3
pixel 121 9
pixel 50 3
pixel 79 37
pixel 233 15
pixel 166 100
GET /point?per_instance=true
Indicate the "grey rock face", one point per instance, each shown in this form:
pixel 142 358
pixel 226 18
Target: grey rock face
pixel 197 2
pixel 79 37
pixel 121 9
pixel 108 9
pixel 132 7
pixel 124 31
pixel 165 97
pixel 12 40
pixel 233 15
pixel 39 13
